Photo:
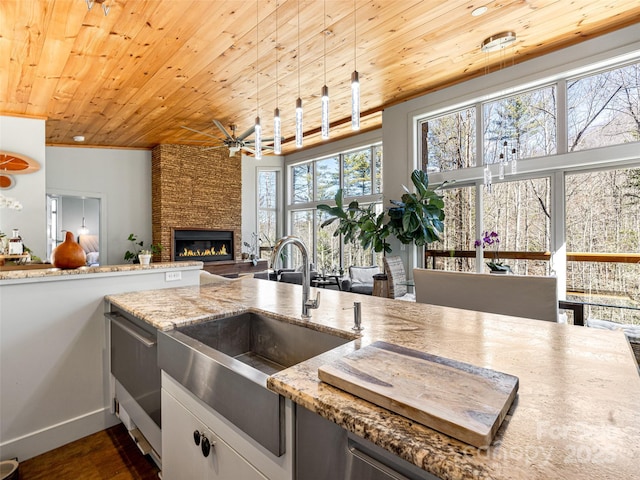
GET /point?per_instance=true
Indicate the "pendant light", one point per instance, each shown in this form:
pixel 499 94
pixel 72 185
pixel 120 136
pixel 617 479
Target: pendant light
pixel 299 132
pixel 325 89
pixel 355 79
pixel 83 228
pixel 277 130
pixel 258 128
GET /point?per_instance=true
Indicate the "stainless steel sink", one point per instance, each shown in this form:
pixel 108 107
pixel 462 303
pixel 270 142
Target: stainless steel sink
pixel 226 362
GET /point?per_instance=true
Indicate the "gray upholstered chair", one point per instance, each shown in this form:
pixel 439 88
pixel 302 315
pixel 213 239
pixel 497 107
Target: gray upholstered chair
pixel 360 280
pixel 397 279
pixel 516 295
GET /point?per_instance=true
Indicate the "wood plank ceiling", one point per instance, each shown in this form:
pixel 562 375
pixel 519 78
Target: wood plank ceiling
pixel 132 78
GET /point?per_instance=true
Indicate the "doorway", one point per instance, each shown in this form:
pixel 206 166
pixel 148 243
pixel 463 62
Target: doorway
pixel 79 214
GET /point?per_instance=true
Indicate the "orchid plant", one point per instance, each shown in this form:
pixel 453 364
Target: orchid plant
pixel 492 240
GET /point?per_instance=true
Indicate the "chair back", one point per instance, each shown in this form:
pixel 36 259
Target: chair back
pixel 516 295
pixel 396 276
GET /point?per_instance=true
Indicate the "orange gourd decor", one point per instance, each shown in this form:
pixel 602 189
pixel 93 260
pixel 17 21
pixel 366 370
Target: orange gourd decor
pixel 69 254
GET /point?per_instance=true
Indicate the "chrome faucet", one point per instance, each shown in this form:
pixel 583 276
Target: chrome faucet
pixel 307 303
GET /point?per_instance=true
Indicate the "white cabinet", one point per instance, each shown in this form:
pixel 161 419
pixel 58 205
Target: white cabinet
pixel 210 458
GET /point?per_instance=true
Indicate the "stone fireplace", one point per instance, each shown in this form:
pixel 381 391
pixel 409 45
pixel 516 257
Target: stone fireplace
pixel 195 189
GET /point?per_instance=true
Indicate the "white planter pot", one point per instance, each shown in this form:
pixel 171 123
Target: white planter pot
pixel 144 259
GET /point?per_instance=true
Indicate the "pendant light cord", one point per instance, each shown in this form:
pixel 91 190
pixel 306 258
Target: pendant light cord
pixel 324 37
pixel 355 38
pixel 257 57
pixel 276 54
pixel 298 26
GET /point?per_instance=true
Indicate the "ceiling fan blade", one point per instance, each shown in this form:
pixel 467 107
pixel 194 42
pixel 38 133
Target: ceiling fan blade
pixel 247 133
pixel 201 132
pixel 222 129
pixel 214 148
pixel 250 150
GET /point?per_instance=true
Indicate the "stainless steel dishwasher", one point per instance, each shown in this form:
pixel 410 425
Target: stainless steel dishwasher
pixel 350 457
pixel 134 365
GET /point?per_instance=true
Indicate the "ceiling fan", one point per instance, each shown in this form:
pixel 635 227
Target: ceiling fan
pixel 231 141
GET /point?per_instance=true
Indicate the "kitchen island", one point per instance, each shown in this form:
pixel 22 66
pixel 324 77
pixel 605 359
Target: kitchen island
pixel 576 414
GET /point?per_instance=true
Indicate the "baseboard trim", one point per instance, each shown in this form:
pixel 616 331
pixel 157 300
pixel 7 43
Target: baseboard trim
pixel 54 436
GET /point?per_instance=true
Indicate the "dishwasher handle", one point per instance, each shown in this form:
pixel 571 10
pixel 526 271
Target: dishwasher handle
pixel 131 329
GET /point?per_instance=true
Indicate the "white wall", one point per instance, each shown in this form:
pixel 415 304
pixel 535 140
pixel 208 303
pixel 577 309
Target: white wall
pixel 250 168
pixel 26 136
pixel 120 177
pixel 54 355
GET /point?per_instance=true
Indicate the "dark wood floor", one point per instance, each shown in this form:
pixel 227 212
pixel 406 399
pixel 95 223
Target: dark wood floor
pixel 110 454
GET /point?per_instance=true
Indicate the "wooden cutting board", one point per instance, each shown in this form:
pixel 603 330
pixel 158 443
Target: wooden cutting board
pixel 458 399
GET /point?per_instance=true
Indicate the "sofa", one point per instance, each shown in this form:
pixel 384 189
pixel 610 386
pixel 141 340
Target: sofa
pixel 360 280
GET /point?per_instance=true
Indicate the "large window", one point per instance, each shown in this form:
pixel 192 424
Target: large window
pixel 603 219
pixel 519 212
pixel 526 122
pixel 268 230
pixel 449 141
pixel 459 227
pixel 604 109
pixel 576 215
pixel 359 174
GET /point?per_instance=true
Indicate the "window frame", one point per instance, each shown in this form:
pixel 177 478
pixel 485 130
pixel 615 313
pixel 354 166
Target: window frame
pixel 374 197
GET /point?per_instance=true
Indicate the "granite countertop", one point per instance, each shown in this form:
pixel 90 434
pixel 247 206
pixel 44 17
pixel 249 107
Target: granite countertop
pixel 576 414
pixel 58 272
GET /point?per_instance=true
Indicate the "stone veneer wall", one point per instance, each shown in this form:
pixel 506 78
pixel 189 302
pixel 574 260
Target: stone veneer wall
pixel 193 188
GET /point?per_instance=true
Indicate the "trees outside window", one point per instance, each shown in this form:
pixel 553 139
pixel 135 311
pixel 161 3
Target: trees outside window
pixel 302 183
pixel 359 174
pixel 459 228
pixel 604 108
pixel 267 211
pixel 603 216
pixel 519 211
pixel 328 178
pixel 449 141
pixel 593 201
pixel 526 121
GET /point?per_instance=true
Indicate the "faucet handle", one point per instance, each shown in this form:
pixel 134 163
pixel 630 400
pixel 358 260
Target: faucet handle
pixel 313 303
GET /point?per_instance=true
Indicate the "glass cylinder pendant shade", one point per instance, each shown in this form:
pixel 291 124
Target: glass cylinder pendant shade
pixel 487 178
pixel 277 132
pixel 258 139
pixel 299 123
pixel 355 101
pixel 325 112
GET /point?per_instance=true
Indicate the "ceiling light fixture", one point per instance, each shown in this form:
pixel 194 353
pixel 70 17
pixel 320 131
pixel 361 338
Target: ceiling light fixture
pixel 105 9
pixel 498 41
pixel 277 130
pixel 355 79
pixel 325 89
pixel 476 12
pixel 258 128
pixel 299 131
pixel 78 138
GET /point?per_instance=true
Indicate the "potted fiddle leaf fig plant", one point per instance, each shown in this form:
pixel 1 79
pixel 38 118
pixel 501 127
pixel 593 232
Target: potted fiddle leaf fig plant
pixel 418 217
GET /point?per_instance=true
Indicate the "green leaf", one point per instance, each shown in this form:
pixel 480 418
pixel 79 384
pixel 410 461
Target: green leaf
pixel 420 181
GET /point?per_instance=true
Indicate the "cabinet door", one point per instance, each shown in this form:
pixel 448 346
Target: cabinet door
pixel 183 459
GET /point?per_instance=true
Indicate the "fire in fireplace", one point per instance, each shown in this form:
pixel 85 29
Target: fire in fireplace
pixel 203 245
